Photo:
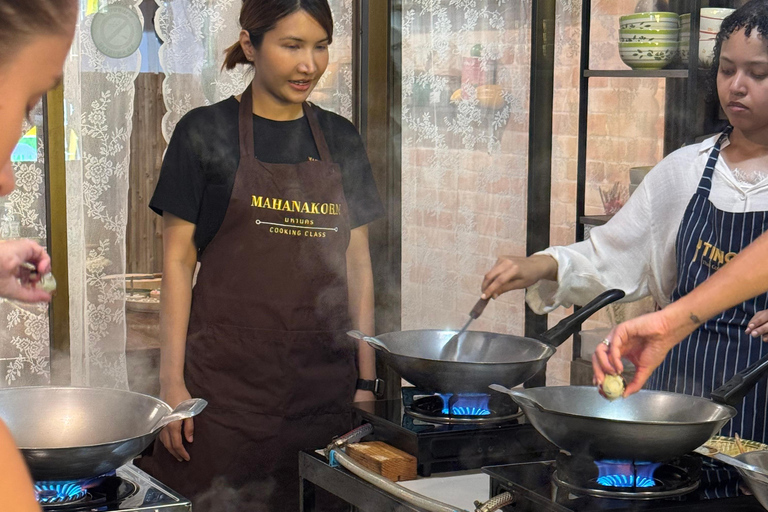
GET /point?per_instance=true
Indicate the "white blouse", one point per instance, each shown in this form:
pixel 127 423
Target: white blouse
pixel 635 250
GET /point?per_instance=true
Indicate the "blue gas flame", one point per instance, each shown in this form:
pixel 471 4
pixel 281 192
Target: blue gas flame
pixel 614 473
pixel 469 404
pixel 58 492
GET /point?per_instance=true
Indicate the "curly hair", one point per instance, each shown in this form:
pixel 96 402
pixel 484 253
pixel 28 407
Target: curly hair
pixel 22 20
pixel 751 16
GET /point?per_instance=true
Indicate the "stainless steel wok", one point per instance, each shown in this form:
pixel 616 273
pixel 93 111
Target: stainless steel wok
pixel 69 433
pixel 649 426
pixel 484 358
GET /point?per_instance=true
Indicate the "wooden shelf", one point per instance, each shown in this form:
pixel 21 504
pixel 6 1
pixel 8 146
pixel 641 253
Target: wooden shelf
pixel 594 220
pixel 637 73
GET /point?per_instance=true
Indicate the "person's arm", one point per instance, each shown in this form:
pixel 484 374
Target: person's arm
pixel 360 286
pixel 16 491
pixel 646 340
pixel 619 254
pixel 179 261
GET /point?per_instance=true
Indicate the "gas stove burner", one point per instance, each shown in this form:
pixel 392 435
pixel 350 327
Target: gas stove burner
pixel 474 408
pixel 627 479
pixel 53 493
pixel 92 492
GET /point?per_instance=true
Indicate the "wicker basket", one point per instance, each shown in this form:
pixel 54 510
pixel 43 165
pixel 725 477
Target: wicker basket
pixel 728 446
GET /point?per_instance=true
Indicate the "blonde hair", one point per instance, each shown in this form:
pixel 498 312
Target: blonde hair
pixel 22 20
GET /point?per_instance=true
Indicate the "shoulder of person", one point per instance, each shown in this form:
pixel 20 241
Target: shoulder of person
pixel 207 118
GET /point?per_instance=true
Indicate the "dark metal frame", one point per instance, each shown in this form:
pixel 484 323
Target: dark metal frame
pixel 540 148
pixel 683 87
pixel 314 472
pixel 379 77
pixel 56 220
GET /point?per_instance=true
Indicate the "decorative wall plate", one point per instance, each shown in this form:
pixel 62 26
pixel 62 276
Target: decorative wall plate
pixel 117 31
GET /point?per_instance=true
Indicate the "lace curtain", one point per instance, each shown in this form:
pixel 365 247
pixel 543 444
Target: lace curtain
pixel 99 93
pixel 195 34
pixel 465 86
pixel 24 332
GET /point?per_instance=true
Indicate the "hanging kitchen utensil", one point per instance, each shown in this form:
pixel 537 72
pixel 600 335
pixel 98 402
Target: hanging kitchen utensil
pixel 486 357
pixel 70 433
pixel 452 349
pixel 648 426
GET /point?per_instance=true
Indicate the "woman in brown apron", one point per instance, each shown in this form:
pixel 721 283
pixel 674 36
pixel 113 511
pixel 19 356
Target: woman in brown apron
pixel 281 281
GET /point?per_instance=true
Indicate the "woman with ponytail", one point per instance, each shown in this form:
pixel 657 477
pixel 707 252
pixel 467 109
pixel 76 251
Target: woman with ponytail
pixel 271 196
pixel 35 36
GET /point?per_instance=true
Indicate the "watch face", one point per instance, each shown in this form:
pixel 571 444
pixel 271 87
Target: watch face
pixel 116 31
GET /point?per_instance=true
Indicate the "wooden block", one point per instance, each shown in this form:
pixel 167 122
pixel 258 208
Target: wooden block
pixel 385 460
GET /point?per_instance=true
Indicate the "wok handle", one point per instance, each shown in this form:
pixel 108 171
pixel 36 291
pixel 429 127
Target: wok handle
pixel 184 410
pixel 572 323
pixel 520 397
pixel 478 309
pixel 733 391
pixel 374 342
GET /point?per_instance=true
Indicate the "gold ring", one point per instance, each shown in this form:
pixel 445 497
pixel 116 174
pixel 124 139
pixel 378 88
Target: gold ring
pixel 606 342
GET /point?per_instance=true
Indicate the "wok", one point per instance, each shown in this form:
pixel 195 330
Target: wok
pixel 484 357
pixel 70 433
pixel 649 426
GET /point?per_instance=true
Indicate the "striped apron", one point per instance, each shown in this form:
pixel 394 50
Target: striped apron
pixel 707 239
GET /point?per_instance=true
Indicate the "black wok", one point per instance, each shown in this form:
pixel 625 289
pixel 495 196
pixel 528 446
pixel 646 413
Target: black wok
pixel 484 358
pixel 648 426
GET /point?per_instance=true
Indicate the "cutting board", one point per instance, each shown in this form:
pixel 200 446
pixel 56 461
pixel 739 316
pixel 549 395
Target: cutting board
pixel 383 459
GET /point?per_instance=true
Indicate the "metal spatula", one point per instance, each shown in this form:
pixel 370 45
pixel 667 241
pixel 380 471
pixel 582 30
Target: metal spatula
pixel 450 350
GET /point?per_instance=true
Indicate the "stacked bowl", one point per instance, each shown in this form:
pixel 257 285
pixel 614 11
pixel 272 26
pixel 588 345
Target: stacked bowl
pixel 685 37
pixel 709 26
pixel 649 40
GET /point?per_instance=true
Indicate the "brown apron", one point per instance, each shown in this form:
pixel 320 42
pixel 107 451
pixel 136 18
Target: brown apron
pixel 267 344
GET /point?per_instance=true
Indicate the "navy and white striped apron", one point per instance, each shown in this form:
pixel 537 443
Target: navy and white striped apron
pixel 708 238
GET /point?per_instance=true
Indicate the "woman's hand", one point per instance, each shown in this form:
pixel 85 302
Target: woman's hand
pixel 758 326
pixel 170 436
pixel 645 341
pixel 14 279
pixel 514 273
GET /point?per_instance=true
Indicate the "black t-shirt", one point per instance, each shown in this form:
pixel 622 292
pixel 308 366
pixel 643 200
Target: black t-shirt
pixel 199 167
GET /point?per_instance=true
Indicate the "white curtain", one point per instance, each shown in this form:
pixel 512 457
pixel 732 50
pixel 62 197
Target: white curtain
pixel 99 94
pixel 24 332
pixel 196 33
pixel 465 86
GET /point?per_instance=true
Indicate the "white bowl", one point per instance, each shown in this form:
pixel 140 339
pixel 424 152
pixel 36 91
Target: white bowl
pixel 650 20
pixel 706 52
pixel 650 55
pixel 712 17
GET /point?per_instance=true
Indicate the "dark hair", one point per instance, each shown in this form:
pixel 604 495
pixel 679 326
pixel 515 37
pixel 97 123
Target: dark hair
pixel 751 16
pixel 260 16
pixel 24 19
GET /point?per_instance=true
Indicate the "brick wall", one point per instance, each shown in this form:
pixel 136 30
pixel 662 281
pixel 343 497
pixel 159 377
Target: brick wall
pixel 462 207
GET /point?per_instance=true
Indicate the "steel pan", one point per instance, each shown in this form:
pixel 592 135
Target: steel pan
pixel 70 433
pixel 648 426
pixel 484 357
